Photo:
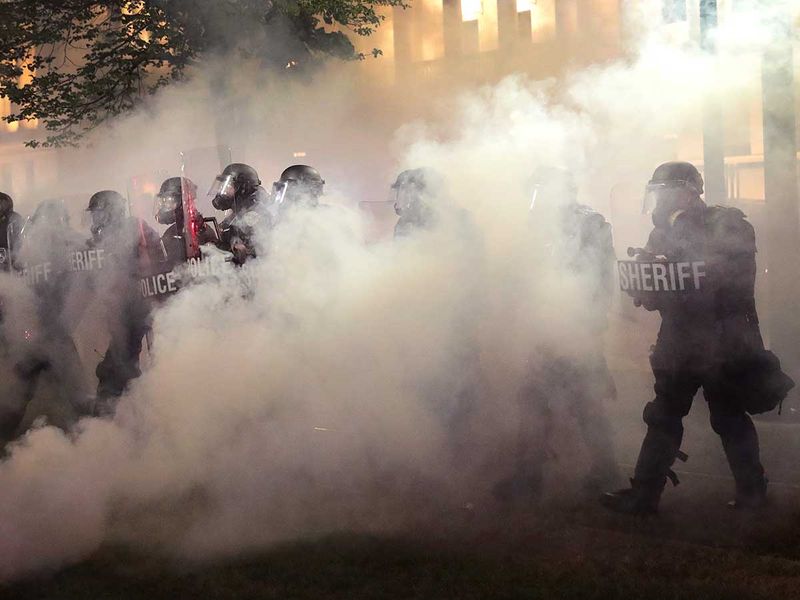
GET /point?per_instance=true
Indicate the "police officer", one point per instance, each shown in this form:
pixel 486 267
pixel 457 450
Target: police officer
pixel 299 186
pixel 414 193
pixel 132 251
pixel 44 259
pixel 702 330
pixel 238 190
pixel 576 238
pixel 423 206
pixel 10 227
pixel 169 210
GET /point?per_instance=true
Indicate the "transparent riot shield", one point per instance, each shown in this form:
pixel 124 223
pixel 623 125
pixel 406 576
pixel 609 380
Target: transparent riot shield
pixel 202 165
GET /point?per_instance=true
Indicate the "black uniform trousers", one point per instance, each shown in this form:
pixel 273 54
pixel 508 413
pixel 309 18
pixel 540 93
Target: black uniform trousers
pixel 675 389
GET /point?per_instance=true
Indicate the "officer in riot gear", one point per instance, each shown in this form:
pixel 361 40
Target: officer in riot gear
pixel 10 227
pixel 107 210
pixel 413 194
pixel 133 250
pixel 170 210
pixel 423 206
pixel 706 335
pixel 47 245
pixel 299 185
pixel 238 190
pixel 576 238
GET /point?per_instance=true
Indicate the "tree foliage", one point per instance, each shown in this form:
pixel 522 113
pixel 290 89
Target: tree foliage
pixel 74 64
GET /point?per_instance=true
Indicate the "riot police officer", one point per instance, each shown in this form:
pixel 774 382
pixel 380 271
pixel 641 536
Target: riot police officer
pixel 132 251
pixel 299 185
pixel 169 210
pixel 10 227
pixel 703 332
pixel 238 190
pixel 414 193
pixel 576 238
pixel 47 245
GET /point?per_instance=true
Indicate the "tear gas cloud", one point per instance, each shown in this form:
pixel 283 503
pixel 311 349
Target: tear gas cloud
pixel 316 398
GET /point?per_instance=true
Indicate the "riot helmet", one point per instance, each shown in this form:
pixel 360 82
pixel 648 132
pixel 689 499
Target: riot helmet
pixel 237 181
pixel 674 188
pixel 107 210
pixel 552 187
pixel 6 205
pixel 412 191
pixel 169 200
pixel 299 184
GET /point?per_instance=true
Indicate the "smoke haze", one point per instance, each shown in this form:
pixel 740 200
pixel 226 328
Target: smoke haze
pixel 316 391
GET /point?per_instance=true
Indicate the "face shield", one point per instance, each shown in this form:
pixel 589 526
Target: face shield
pixel 673 193
pixel 279 189
pixel 164 208
pixel 49 220
pixel 549 195
pixel 99 220
pixel 302 193
pixel 51 214
pixel 223 192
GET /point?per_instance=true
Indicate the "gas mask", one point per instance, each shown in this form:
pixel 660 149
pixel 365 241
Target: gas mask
pixel 663 200
pixel 223 192
pixel 407 200
pixel 165 208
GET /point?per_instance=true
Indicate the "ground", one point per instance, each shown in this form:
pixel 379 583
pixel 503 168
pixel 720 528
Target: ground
pixel 696 547
pixel 595 557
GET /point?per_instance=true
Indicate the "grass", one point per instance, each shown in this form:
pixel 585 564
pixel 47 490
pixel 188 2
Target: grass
pixel 571 563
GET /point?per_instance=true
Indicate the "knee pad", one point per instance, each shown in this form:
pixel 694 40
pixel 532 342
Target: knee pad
pixel 658 416
pixel 729 423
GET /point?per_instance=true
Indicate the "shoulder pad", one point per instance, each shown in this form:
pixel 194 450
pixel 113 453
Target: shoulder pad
pixel 729 217
pixel 588 217
pixel 731 225
pixel 728 214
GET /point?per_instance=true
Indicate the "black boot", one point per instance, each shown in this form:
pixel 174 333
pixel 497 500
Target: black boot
pixel 740 442
pixel 750 497
pixel 639 499
pixel 659 450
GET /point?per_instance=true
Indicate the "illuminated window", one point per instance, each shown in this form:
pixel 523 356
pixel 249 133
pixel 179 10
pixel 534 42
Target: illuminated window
pixel 471 9
pixel 525 5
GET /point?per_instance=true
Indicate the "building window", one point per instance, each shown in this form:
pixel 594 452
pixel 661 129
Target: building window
pixel 471 10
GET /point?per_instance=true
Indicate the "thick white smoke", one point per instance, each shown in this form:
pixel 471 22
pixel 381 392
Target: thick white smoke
pixel 318 399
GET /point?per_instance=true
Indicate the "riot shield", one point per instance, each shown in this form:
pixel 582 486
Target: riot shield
pixel 202 165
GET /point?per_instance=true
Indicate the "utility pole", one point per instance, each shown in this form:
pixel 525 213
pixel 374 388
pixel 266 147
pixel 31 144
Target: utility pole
pixel 781 193
pixel 713 133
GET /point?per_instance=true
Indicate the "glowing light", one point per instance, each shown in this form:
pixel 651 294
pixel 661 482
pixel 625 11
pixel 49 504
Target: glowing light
pixel 471 9
pixel 299 154
pixel 525 5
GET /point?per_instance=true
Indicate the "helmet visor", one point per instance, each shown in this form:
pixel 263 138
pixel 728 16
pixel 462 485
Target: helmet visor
pixel 223 188
pixel 279 189
pixel 165 203
pixel 671 191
